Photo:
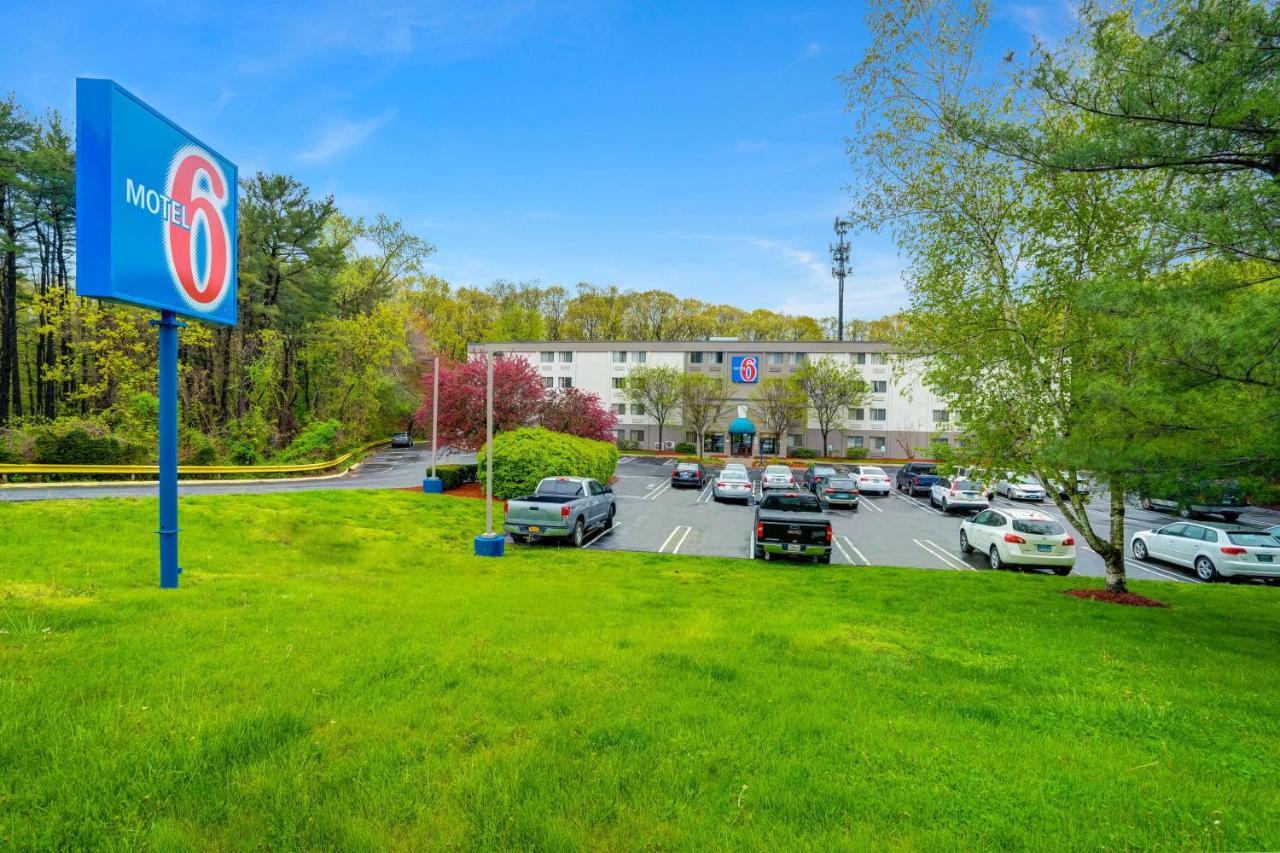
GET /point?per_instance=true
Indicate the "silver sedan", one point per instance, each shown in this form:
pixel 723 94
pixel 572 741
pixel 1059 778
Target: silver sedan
pixel 732 485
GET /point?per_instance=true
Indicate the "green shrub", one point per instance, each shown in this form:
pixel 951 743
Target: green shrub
pixel 855 453
pixel 523 457
pixel 317 442
pixel 76 445
pixel 686 447
pixel 803 453
pixel 628 444
pixel 244 453
pixel 198 449
pixel 454 475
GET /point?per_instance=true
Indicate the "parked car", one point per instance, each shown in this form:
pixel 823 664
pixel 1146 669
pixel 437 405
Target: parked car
pixel 1226 500
pixel 1020 488
pixel 870 479
pixel 735 466
pixel 1273 530
pixel 560 507
pixel 1082 483
pixel 792 524
pixel 816 475
pixel 732 485
pixel 1214 551
pixel 1019 537
pixel 777 477
pixel 948 493
pixel 841 490
pixel 916 477
pixel 688 474
pixel 401 439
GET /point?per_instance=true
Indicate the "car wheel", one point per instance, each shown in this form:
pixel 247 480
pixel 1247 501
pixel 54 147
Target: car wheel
pixel 1184 512
pixel 855 507
pixel 519 539
pixel 996 563
pixel 965 547
pixel 757 553
pixel 1231 516
pixel 1145 502
pixel 579 533
pixel 1206 571
pixel 1140 549
pixel 825 558
pixel 946 507
pixel 1062 571
pixel 608 519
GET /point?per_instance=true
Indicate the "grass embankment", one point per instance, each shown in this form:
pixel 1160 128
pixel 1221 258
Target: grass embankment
pixel 338 671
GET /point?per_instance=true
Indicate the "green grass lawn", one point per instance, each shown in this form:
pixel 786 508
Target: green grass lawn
pixel 338 671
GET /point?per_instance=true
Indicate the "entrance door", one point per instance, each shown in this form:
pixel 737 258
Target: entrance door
pixel 742 444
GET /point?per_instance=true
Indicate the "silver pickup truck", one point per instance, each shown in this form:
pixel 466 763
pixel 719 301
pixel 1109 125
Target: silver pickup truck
pixel 560 507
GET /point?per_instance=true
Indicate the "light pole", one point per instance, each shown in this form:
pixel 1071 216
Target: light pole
pixel 840 269
pixel 434 484
pixel 489 544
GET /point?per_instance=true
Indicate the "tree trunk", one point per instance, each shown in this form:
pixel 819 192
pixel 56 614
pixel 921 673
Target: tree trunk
pixel 1114 558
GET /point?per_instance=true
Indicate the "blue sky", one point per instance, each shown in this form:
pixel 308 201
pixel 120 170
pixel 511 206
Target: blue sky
pixel 694 147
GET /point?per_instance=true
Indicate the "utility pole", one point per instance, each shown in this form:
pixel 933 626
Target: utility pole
pixel 840 269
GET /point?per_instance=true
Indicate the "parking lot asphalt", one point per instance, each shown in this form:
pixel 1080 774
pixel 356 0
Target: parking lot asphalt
pixel 889 530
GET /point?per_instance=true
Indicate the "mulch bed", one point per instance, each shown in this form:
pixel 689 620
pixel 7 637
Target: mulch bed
pixel 1126 598
pixel 466 490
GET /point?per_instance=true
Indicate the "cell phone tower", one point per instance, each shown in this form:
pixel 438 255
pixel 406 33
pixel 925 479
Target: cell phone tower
pixel 840 269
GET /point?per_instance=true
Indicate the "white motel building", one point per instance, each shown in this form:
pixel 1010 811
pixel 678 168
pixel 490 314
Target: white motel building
pixel 900 412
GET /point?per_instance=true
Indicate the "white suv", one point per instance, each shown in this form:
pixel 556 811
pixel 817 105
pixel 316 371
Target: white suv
pixel 1019 537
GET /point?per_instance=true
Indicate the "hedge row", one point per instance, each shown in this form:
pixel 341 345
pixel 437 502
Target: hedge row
pixel 454 475
pixel 524 457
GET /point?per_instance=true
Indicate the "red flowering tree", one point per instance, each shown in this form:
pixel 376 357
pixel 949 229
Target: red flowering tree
pixel 578 412
pixel 517 399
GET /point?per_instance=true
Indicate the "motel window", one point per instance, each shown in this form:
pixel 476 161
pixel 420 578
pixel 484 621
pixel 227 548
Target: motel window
pixel 619 358
pixel 548 382
pixel 619 382
pixel 879 358
pixel 941 416
pixel 878 414
pixel 858 414
pixel 774 358
pixel 566 381
pixel 637 435
pixel 566 357
pixel 695 358
pixel 879 386
pixel 717 358
pixel 619 408
pixel 640 357
pixel 942 439
pixel 799 357
pixel 794 439
pixel 878 443
pixel 854 441
pixel 548 357
pixel 637 409
pixel 859 358
pixel 620 434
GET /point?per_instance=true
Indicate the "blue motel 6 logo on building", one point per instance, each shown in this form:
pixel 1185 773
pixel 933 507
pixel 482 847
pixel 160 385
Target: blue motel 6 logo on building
pixel 156 209
pixel 745 368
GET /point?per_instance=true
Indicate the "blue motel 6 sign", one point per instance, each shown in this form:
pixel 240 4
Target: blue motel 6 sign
pixel 745 368
pixel 155 209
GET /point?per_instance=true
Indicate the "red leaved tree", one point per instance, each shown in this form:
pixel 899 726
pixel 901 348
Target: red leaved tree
pixel 517 399
pixel 578 412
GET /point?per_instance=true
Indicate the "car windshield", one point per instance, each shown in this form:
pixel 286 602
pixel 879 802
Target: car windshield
pixel 792 503
pixel 1027 481
pixel 1253 538
pixel 776 470
pixel 737 476
pixel 563 488
pixel 687 466
pixel 874 472
pixel 965 485
pixel 401 435
pixel 841 483
pixel 924 469
pixel 824 472
pixel 1040 527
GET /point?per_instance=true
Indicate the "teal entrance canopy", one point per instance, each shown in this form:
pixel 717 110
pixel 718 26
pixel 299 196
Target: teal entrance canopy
pixel 742 426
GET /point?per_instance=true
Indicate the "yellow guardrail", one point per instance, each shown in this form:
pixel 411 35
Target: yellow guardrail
pixel 190 469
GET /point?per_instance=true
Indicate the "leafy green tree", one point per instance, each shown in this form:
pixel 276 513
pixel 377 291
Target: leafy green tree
pixel 656 390
pixel 704 400
pixel 776 404
pixel 830 390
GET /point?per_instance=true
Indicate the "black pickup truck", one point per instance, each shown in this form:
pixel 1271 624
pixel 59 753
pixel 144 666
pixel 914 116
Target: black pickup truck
pixel 792 524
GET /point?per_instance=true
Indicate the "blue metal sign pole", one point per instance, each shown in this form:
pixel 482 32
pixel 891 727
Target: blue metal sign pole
pixel 168 324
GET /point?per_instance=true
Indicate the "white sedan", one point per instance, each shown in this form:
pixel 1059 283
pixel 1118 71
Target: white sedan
pixel 732 485
pixel 1020 488
pixel 1019 537
pixel 950 493
pixel 1213 551
pixel 777 477
pixel 871 480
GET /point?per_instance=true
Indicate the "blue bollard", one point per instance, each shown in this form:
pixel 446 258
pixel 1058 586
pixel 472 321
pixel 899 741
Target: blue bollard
pixel 432 485
pixel 491 544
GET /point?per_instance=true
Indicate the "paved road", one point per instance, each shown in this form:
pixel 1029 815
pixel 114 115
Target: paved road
pixel 386 469
pixel 893 530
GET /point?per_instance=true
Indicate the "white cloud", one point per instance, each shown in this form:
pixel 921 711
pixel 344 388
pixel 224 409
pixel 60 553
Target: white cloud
pixel 343 135
pixel 813 49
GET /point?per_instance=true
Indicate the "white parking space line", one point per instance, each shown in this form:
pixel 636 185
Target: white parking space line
pixel 601 534
pixel 855 550
pixel 869 505
pixel 670 536
pixel 1159 572
pixel 670 461
pixel 938 551
pixel 923 506
pixel 657 490
pixel 687 531
pixel 841 549
pixel 626 459
pixel 705 497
